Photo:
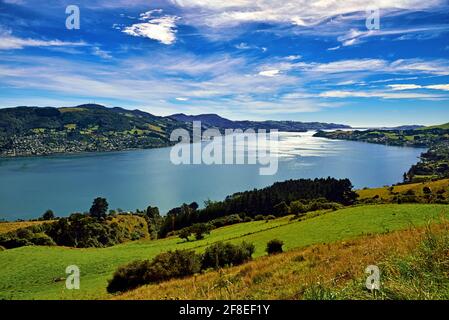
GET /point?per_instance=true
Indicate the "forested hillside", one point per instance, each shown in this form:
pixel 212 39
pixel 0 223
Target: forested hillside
pixel 26 131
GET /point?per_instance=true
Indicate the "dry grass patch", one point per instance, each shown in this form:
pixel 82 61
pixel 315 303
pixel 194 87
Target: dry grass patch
pixel 293 275
pixel 6 227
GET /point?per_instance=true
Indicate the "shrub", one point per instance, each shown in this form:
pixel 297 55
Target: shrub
pixel 185 234
pixel 176 264
pixel 226 221
pixel 281 209
pixel 129 276
pixel 259 217
pixel 165 266
pixel 298 208
pixel 41 239
pixel 247 219
pixel 200 229
pixel 226 254
pixel 270 217
pixel 2 248
pixel 274 246
pixel 426 190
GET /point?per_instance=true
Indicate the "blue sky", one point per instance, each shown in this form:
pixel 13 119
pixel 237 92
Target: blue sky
pixel 243 59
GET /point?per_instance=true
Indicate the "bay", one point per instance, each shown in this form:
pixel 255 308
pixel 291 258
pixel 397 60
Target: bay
pixel 138 178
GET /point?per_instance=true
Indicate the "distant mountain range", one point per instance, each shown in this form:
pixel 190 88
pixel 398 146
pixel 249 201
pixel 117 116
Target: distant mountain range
pixel 214 120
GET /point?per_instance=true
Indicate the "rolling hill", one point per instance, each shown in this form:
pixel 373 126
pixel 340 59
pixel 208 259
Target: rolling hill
pixel 26 131
pixel 34 272
pixel 441 126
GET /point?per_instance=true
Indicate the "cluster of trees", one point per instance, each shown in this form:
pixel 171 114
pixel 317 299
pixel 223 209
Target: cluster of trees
pixel 411 196
pixel 199 230
pixel 178 264
pixel 95 229
pixel 274 200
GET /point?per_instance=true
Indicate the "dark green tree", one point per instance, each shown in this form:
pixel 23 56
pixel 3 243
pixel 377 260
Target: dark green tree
pixel 185 234
pixel 48 215
pixel 99 208
pixel 281 209
pixel 200 230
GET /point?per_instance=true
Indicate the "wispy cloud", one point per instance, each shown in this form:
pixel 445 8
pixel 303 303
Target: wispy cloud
pixel 400 87
pixel 295 12
pixel 101 53
pixel 355 36
pixel 9 42
pixel 379 94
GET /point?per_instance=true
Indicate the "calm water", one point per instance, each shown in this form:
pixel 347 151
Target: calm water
pixel 135 179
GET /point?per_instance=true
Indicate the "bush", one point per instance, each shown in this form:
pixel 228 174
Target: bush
pixel 270 217
pixel 226 254
pixel 259 217
pixel 200 229
pixel 247 219
pixel 298 208
pixel 274 246
pixel 185 234
pixel 427 190
pixel 129 276
pixel 281 209
pixel 226 221
pixel 165 266
pixel 41 239
pixel 2 248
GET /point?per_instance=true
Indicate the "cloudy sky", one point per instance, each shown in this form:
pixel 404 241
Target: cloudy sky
pixel 243 59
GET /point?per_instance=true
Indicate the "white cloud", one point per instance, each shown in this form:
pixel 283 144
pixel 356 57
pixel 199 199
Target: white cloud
pixel 218 13
pixel 162 29
pixel 182 99
pixel 9 42
pixel 379 94
pixel 398 87
pixel 101 53
pixel 293 57
pixel 355 36
pixel 394 79
pixel 269 73
pixel 444 87
pixel 346 83
pixel 333 48
pixel 243 46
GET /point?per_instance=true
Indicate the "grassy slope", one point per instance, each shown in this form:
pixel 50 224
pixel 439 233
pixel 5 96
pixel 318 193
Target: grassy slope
pixel 325 271
pixel 28 272
pixel 385 194
pixel 442 126
pixel 6 227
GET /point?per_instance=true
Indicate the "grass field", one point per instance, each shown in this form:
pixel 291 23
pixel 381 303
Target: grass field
pixel 442 126
pixel 30 272
pixel 385 193
pixel 325 272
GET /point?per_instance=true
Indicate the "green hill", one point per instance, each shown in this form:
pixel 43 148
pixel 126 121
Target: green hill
pixel 441 126
pixel 36 272
pixel 26 131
